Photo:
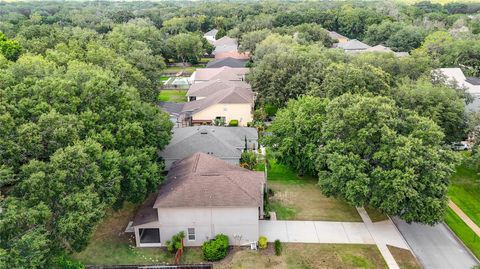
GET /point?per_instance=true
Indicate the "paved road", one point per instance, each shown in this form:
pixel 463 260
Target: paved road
pixel 435 246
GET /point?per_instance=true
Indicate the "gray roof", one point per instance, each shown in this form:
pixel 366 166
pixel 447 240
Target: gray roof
pixel 229 61
pixel 213 86
pixel 232 95
pixel 172 108
pixel 225 48
pixel 353 44
pixel 224 73
pixel 212 32
pixel 222 142
pixel 146 213
pixel 473 80
pixel 201 180
pixel 226 41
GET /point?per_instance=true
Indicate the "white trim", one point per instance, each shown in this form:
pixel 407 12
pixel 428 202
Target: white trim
pixel 150 245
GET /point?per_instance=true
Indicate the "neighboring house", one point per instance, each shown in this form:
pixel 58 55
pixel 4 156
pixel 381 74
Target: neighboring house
pixel 224 48
pixel 233 54
pixel 353 45
pixel 224 73
pixel 472 84
pixel 174 110
pixel 203 196
pixel 226 41
pixel 225 143
pixel 210 35
pixel 199 91
pixel 233 103
pixel 381 48
pixel 338 37
pixel 227 61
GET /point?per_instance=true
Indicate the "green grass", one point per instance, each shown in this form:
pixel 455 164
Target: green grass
pixel 177 96
pixel 176 69
pixel 375 215
pixel 300 198
pixel 468 237
pixel 109 245
pixel 464 191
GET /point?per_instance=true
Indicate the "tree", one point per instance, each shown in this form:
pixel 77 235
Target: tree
pixel 406 39
pixel 386 157
pixel 10 49
pixel 441 103
pixel 380 33
pixel 187 47
pixel 249 40
pixel 342 78
pixel 296 133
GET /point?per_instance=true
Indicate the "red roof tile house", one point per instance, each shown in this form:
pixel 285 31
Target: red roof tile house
pixel 203 196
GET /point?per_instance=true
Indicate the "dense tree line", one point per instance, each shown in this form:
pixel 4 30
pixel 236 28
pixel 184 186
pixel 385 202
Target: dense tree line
pixel 79 133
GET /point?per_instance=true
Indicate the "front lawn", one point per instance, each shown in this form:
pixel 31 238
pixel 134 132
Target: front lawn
pixel 404 258
pixel 109 245
pixel 464 191
pixel 177 96
pixel 300 198
pixel 468 237
pixel 307 256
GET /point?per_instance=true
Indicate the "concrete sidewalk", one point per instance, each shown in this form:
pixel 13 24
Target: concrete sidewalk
pixel 464 217
pixel 329 232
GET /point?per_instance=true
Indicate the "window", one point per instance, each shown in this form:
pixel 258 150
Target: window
pixel 191 234
pixel 149 236
pixel 225 108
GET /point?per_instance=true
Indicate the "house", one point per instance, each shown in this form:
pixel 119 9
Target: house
pixel 227 61
pixel 472 85
pixel 353 45
pixel 210 35
pixel 174 110
pixel 203 196
pixel 232 103
pixel 225 143
pixel 338 37
pixel 224 73
pixel 226 41
pixel 233 54
pixel 199 91
pixel 224 48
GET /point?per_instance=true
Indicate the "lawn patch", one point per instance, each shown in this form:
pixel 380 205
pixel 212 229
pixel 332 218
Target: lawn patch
pixel 375 215
pixel 300 198
pixel 404 258
pixel 177 96
pixel 468 237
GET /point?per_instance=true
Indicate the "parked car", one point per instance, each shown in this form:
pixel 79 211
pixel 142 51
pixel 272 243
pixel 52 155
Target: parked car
pixel 460 146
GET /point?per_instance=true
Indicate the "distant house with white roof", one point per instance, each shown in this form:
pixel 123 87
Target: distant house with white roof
pixel 472 84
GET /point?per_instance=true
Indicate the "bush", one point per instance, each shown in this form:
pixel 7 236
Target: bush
pixel 233 123
pixel 278 247
pixel 215 249
pixel 176 242
pixel 262 242
pixel 66 263
pixel 248 159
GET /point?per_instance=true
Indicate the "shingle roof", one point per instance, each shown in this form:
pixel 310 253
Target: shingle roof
pixel 213 86
pixel 146 213
pixel 225 48
pixel 335 35
pixel 171 107
pixel 235 95
pixel 233 54
pixel 225 41
pixel 473 80
pixel 202 180
pixel 212 32
pixel 379 48
pixel 353 44
pixel 224 73
pixel 227 61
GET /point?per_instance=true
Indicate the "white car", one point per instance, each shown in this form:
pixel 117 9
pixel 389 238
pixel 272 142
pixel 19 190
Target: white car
pixel 460 146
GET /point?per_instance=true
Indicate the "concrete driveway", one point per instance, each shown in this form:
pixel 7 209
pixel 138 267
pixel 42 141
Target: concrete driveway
pixel 435 247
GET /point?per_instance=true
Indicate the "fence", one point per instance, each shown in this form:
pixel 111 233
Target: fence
pixel 177 266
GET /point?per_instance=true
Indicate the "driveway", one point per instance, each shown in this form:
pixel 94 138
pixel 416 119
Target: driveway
pixel 435 246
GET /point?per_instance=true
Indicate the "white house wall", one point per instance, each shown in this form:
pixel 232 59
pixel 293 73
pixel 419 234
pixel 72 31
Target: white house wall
pixel 209 222
pixel 240 112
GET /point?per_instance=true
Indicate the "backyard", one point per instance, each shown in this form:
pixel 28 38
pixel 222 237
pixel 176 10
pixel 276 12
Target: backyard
pixel 177 96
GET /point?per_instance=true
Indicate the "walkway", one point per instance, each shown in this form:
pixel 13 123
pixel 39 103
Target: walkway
pixel 464 217
pixel 435 246
pixel 329 232
pixel 380 238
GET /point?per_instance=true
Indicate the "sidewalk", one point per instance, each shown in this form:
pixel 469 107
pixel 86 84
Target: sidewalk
pixel 464 217
pixel 379 238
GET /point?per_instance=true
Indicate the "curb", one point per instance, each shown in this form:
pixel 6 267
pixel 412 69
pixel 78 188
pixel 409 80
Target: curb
pixel 406 242
pixel 460 242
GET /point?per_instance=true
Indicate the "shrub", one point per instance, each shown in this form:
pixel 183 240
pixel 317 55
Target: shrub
pixel 248 159
pixel 65 262
pixel 233 123
pixel 278 247
pixel 176 242
pixel 215 249
pixel 262 242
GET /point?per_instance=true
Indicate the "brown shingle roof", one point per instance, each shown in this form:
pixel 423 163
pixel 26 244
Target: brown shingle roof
pixel 225 41
pixel 224 73
pixel 210 87
pixel 146 213
pixel 232 54
pixel 202 180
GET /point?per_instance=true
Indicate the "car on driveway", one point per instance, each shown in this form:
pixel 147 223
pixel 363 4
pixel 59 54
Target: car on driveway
pixel 459 146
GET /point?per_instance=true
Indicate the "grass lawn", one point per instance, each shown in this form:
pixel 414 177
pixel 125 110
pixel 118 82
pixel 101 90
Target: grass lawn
pixel 298 198
pixel 469 238
pixel 176 69
pixel 465 191
pixel 307 256
pixel 109 245
pixel 404 258
pixel 177 96
pixel 375 215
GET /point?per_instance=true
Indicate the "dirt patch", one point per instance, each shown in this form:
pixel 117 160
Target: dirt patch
pixel 404 258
